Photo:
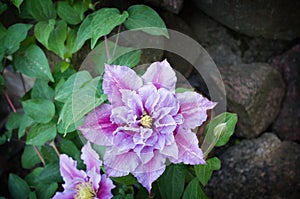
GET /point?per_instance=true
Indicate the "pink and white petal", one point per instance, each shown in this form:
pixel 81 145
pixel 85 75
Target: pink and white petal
pixel 68 169
pixel 147 173
pixel 193 107
pixel 132 100
pixel 170 151
pixel 90 157
pixel 121 116
pixel 116 78
pixel 94 177
pixel 149 96
pixel 105 187
pixel 67 194
pixel 97 127
pixel 161 75
pixel 188 149
pixel 117 164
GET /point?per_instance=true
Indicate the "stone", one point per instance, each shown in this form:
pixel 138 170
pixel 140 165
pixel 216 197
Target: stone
pixel 264 167
pixel 215 38
pixel 173 6
pixel 287 124
pixel 254 92
pixel 275 19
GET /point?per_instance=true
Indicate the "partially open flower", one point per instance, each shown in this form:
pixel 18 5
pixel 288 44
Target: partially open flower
pixel 146 122
pixel 84 185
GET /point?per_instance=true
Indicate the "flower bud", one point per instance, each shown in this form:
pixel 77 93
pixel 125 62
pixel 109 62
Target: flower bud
pixel 220 130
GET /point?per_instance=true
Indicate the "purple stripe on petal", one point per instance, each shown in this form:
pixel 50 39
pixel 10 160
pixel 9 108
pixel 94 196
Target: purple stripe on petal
pixel 133 101
pixel 189 151
pixel 193 107
pixel 147 173
pixel 161 75
pixel 116 78
pixel 94 177
pixel 105 187
pixel 68 169
pixel 90 158
pixel 97 127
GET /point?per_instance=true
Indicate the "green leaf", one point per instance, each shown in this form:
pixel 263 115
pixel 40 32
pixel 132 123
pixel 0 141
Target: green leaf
pixel 182 90
pixel 98 24
pixel 41 10
pixel 2 81
pixel 67 13
pixel 14 36
pixel 144 18
pixel 40 110
pixel 80 8
pixel 42 31
pixel 50 174
pixel 49 154
pixel 71 42
pixel 57 38
pixel 32 62
pixel 29 157
pixel 126 180
pixel 194 191
pixel 39 134
pixel 32 178
pixel 25 122
pixel 41 90
pixel 32 195
pixel 224 122
pixel 46 191
pixel 204 172
pixel 123 56
pixel 69 148
pixel 104 21
pixel 13 121
pixel 17 3
pixel 84 32
pixel 2 31
pixel 129 59
pixel 17 187
pixel 73 83
pixel 80 103
pixel 171 183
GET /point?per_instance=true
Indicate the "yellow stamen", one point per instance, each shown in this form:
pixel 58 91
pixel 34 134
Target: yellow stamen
pixel 146 121
pixel 85 191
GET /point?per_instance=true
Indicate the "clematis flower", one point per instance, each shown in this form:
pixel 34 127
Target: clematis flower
pixel 80 184
pixel 146 122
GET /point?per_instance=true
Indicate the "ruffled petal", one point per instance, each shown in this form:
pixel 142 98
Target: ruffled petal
pixel 90 158
pixel 161 74
pixel 116 78
pixel 97 127
pixel 149 96
pixel 67 194
pixel 117 164
pixel 133 101
pixel 68 169
pixel 188 149
pixel 193 107
pixel 94 177
pixel 105 187
pixel 147 173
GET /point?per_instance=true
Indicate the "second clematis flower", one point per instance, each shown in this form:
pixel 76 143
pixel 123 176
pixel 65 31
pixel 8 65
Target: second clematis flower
pixel 84 185
pixel 146 122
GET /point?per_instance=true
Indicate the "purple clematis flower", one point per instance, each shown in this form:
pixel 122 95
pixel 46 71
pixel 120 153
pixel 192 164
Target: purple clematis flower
pixel 146 122
pixel 84 185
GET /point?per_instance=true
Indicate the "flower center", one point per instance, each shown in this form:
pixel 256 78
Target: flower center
pixel 146 121
pixel 85 191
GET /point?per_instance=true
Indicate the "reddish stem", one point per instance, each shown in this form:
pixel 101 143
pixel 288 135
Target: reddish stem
pixel 11 105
